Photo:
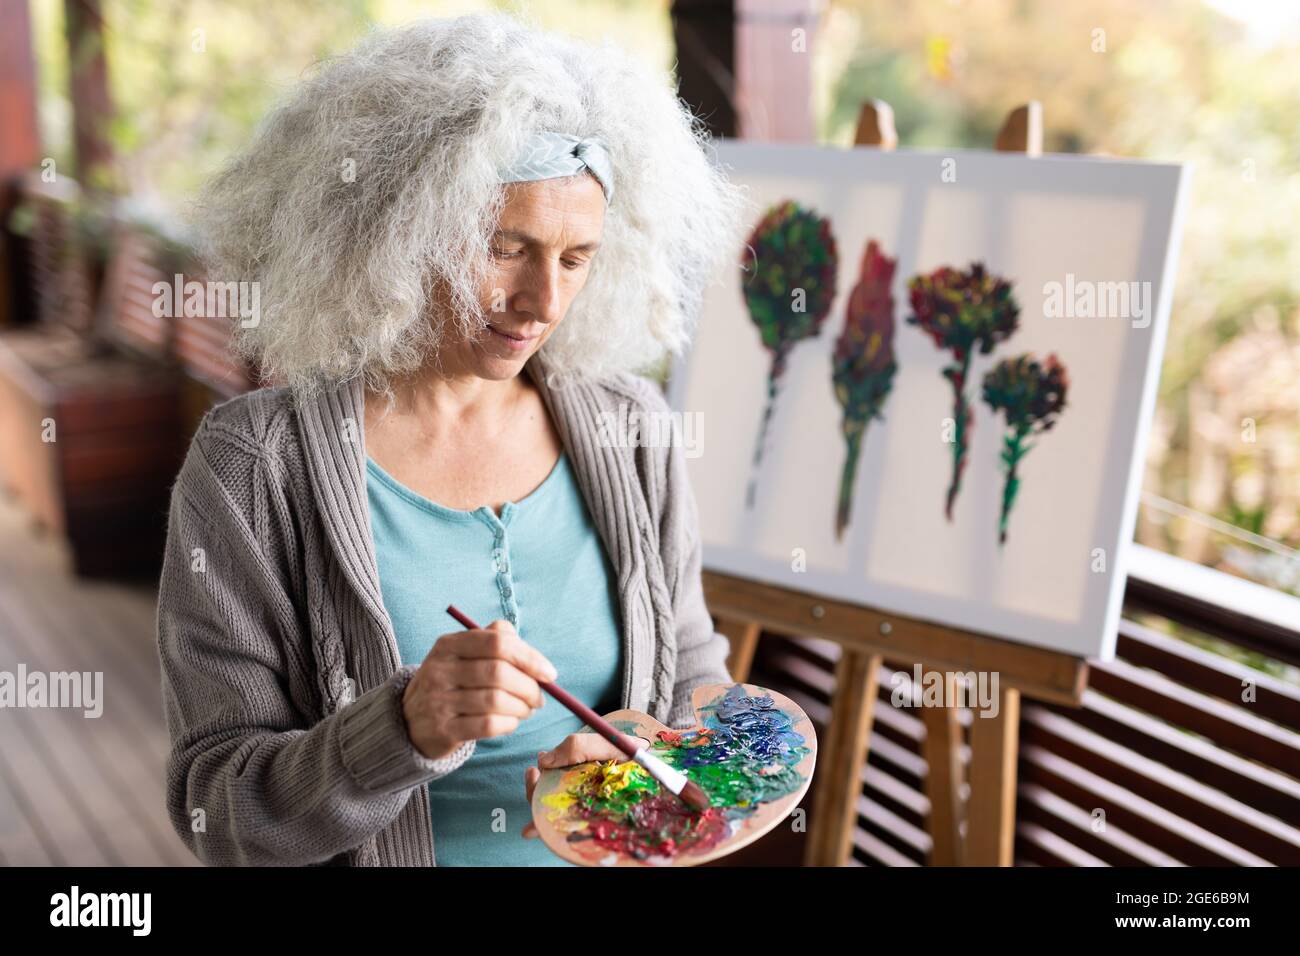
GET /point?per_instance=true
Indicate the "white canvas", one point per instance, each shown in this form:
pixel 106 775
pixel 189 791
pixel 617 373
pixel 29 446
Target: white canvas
pixel 1029 220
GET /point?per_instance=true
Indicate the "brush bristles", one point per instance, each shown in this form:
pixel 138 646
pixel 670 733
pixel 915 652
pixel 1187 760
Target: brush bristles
pixel 695 796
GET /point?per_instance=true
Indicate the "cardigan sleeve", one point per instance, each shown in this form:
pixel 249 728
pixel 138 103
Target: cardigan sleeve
pixel 701 651
pixel 250 780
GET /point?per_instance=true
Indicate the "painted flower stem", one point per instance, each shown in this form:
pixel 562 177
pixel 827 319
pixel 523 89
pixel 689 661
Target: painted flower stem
pixel 963 422
pixel 768 408
pixel 853 441
pixel 1013 449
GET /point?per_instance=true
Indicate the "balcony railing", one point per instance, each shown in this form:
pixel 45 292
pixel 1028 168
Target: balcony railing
pixel 1178 756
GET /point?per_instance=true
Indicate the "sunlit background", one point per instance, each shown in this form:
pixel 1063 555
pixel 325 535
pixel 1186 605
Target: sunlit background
pixel 1215 84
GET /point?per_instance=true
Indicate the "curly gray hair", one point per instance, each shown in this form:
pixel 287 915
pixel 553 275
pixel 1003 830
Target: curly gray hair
pixel 424 115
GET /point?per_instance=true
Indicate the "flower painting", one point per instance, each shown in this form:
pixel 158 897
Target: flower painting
pixel 789 270
pixel 863 364
pixel 964 312
pixel 1030 395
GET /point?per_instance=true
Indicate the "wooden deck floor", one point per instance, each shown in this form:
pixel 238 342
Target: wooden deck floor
pixel 77 790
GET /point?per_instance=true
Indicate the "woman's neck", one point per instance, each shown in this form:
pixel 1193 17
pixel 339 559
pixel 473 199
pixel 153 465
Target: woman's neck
pixel 439 405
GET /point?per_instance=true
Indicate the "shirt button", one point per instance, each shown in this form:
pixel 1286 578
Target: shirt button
pixel 507 592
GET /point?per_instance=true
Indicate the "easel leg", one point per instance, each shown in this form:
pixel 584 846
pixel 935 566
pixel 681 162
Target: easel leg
pixel 942 752
pixel 830 836
pixel 743 637
pixel 991 820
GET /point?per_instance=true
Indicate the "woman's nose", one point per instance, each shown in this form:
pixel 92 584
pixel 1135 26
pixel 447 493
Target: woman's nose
pixel 544 294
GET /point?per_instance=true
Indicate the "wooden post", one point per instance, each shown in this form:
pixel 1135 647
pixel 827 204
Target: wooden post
pixel 835 809
pixel 773 92
pixel 19 137
pixel 743 637
pixel 991 821
pixel 704 32
pixel 876 126
pixel 941 749
pixel 88 88
pixel 19 140
pixel 1022 132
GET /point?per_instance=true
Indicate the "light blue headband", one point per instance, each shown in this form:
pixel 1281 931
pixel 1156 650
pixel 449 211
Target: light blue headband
pixel 547 155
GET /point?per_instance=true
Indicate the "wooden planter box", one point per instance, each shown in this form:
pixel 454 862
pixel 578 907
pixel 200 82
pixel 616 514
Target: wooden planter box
pixel 104 481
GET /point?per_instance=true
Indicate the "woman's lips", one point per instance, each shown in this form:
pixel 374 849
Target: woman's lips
pixel 514 342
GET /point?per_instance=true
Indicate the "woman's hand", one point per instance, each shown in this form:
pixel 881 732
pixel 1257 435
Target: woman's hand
pixel 574 749
pixel 473 684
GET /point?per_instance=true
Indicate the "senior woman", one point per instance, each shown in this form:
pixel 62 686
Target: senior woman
pixel 471 238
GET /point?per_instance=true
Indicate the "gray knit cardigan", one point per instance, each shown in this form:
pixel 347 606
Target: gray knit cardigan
pixel 281 676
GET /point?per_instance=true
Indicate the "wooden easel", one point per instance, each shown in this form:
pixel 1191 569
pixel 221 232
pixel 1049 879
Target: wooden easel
pixel 866 636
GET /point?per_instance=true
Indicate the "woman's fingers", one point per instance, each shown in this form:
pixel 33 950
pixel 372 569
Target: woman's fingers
pixel 500 640
pixel 492 672
pixel 482 725
pixel 581 748
pixel 474 684
pixel 478 701
pixel 531 776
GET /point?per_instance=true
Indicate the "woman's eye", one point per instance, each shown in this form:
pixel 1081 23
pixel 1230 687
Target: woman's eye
pixel 570 264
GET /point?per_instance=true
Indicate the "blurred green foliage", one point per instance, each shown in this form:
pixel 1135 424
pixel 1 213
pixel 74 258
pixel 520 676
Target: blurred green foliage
pixel 1174 81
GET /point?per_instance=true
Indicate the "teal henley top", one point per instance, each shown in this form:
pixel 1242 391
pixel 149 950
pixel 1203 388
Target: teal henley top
pixel 542 566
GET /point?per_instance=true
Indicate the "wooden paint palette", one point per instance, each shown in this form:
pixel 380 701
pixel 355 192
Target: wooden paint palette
pixel 752 750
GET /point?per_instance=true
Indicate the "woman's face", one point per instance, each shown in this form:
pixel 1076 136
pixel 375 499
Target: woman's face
pixel 542 251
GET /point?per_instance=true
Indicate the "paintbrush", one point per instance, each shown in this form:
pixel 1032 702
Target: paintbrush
pixel 669 777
